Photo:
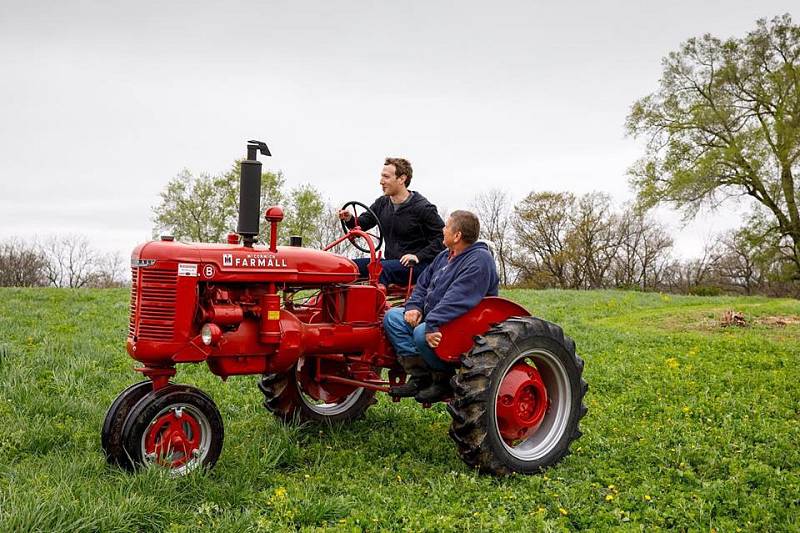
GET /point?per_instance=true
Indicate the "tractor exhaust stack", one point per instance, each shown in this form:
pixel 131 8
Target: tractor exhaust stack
pixel 250 192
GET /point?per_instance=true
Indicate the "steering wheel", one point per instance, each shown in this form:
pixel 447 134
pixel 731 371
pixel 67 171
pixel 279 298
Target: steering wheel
pixel 377 236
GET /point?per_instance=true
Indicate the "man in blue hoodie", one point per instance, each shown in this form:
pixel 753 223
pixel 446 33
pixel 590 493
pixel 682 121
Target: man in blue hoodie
pixel 455 282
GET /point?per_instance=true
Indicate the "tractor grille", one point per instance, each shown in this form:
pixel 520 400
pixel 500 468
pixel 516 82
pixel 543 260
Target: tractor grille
pixel 134 284
pixel 156 292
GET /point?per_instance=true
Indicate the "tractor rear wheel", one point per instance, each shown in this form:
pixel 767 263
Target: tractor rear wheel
pixel 518 398
pixel 296 395
pixel 177 427
pixel 111 433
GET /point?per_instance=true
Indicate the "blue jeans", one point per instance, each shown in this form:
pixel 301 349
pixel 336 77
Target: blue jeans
pixel 408 341
pixel 393 271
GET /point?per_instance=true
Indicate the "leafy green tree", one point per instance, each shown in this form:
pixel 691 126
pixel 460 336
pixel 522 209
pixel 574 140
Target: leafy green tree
pixel 305 214
pixel 725 122
pixel 206 208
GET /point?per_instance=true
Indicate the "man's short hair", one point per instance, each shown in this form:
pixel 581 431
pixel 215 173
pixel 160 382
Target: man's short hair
pixel 468 224
pixel 401 167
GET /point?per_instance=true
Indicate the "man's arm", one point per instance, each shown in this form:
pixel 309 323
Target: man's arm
pixel 464 293
pixel 432 228
pixel 365 220
pixel 417 299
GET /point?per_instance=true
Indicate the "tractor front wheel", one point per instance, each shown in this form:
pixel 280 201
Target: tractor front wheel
pixel 177 427
pixel 111 433
pixel 518 398
pixel 298 395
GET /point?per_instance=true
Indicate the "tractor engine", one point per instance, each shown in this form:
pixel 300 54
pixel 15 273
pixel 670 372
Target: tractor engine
pixel 248 310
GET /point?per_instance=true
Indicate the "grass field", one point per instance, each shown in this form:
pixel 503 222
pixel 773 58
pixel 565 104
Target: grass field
pixel 691 425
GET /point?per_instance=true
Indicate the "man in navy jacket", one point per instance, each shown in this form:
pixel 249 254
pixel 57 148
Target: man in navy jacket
pixel 455 282
pixel 412 227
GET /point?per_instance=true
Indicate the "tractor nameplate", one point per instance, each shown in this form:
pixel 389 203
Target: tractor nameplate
pixel 187 269
pixel 254 261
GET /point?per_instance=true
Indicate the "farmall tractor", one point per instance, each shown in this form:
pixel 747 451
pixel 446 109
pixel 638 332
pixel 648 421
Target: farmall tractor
pixel 304 321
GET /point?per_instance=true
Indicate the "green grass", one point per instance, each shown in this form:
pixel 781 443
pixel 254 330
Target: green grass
pixel 691 426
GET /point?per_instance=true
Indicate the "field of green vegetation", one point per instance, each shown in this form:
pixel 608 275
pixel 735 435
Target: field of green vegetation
pixel 691 425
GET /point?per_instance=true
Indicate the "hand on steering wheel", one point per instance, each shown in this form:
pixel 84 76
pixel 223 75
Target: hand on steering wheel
pixel 377 232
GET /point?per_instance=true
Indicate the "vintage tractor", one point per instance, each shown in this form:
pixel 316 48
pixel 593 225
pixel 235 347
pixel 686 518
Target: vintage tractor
pixel 303 320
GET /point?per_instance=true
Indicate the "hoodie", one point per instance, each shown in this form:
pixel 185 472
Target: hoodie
pixel 450 287
pixel 414 227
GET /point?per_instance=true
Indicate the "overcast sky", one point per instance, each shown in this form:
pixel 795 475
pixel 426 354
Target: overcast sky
pixel 101 103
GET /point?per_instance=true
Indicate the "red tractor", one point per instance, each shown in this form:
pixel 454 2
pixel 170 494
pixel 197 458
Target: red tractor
pixel 303 320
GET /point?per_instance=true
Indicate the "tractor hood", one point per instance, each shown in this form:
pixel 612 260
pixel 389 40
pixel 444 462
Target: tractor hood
pixel 237 263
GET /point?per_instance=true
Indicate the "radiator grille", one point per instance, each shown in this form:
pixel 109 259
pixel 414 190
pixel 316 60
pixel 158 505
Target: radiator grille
pixel 156 290
pixel 134 283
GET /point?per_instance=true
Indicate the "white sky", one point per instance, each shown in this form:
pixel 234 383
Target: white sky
pixel 101 103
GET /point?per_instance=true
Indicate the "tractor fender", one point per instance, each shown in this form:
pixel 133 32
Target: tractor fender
pixel 458 335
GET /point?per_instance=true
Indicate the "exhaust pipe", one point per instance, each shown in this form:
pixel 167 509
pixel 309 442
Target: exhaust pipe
pixel 250 192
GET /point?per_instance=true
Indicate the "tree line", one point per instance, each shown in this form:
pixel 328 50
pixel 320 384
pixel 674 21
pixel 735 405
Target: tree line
pixel 560 240
pixel 59 261
pixel 549 239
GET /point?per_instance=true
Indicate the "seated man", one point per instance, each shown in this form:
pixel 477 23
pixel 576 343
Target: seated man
pixel 455 282
pixel 411 224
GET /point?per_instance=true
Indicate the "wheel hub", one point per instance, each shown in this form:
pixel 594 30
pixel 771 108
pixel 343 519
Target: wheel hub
pixel 308 376
pixel 521 403
pixel 173 438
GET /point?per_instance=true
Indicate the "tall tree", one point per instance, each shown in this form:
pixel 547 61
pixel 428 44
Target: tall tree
pixel 304 216
pixel 493 208
pixel 71 262
pixel 205 208
pixel 725 122
pixel 542 222
pixel 593 240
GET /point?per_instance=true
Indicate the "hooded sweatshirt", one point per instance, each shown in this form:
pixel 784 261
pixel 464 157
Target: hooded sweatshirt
pixel 413 227
pixel 450 287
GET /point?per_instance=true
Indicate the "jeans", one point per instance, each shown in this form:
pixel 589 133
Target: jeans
pixel 408 341
pixel 393 271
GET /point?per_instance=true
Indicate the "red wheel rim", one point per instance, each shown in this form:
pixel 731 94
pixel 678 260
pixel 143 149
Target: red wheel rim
pixel 521 403
pixel 174 438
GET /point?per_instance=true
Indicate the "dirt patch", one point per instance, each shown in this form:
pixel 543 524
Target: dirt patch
pixel 732 318
pixel 778 320
pixel 735 318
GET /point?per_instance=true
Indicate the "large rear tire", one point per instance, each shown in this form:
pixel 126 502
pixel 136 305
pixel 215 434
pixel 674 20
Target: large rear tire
pixel 518 398
pixel 286 397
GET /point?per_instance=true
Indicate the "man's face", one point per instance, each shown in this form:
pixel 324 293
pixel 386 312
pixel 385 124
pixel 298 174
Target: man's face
pixel 451 236
pixel 390 183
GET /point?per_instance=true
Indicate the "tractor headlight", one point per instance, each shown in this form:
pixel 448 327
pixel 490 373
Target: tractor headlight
pixel 210 334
